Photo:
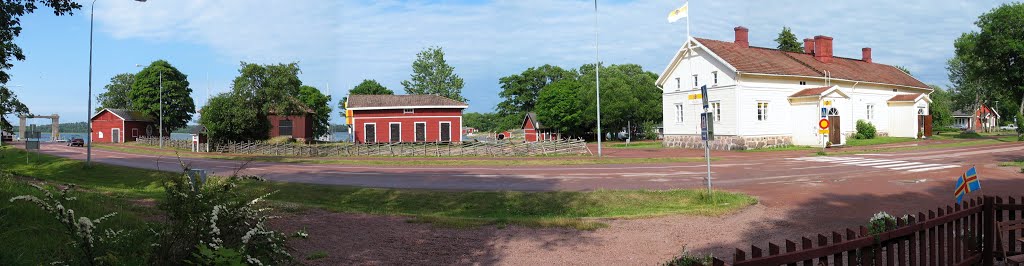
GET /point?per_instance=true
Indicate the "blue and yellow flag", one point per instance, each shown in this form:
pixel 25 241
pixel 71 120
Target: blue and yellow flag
pixel 966 183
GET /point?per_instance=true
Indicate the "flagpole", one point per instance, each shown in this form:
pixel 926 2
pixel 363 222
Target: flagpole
pixel 597 67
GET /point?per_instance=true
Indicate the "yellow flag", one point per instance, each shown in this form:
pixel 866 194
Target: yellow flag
pixel 679 13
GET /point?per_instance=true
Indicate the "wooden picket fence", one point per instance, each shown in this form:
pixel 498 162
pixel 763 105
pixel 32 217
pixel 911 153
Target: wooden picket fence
pixel 493 149
pixel 955 235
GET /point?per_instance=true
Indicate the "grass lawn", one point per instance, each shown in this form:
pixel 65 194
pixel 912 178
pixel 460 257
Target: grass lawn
pixel 440 161
pixel 1015 163
pixel 106 188
pixel 969 143
pixel 876 141
pixel 785 148
pixel 635 145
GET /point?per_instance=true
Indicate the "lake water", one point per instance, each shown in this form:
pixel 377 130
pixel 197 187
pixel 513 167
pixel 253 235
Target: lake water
pixel 338 136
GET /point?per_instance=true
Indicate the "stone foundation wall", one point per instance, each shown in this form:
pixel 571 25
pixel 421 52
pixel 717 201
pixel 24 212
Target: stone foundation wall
pixel 727 142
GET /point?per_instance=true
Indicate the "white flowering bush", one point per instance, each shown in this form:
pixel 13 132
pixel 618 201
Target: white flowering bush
pixel 214 224
pixel 879 221
pixel 86 238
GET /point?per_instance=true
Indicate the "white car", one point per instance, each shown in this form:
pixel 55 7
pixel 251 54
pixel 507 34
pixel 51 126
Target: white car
pixel 1009 127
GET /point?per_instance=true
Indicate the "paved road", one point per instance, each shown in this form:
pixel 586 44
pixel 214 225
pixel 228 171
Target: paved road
pixel 742 171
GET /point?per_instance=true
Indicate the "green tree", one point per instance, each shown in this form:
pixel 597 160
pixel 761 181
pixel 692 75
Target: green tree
pixel 560 107
pixel 10 27
pixel 904 69
pixel 432 75
pixel 941 107
pixel 230 117
pixel 367 87
pixel 9 104
pixel 521 91
pixel 117 94
pixel 320 104
pixel 984 63
pixel 270 88
pixel 787 41
pixel 178 106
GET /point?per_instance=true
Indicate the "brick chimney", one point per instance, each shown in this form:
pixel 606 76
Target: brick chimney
pixel 741 36
pixel 808 46
pixel 866 54
pixel 823 48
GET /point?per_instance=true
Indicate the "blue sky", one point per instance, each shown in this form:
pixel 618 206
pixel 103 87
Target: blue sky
pixel 340 43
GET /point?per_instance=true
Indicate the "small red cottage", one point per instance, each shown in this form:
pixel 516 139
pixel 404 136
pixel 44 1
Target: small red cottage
pixel 533 131
pixel 297 126
pixel 120 125
pixel 405 118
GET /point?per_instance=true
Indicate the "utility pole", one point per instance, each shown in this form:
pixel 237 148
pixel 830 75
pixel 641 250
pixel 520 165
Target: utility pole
pixel 161 108
pixel 88 120
pixel 597 68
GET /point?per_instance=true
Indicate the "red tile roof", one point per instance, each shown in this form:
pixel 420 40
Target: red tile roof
pixel 773 61
pixel 810 92
pixel 905 97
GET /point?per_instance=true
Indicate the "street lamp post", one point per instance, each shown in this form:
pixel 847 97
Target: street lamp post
pixel 161 108
pixel 88 120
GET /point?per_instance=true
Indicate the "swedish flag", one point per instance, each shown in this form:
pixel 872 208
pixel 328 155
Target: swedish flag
pixel 966 183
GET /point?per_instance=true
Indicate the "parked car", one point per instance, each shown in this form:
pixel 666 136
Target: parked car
pixel 76 142
pixel 1009 127
pixel 961 126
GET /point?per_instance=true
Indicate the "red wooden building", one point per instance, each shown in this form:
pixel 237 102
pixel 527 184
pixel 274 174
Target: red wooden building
pixel 405 118
pixel 297 126
pixel 533 131
pixel 120 125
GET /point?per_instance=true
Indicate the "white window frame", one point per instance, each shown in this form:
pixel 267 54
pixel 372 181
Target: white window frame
pixel 100 134
pixel 714 76
pixel 716 111
pixel 374 132
pixel 408 111
pixel 870 112
pixel 424 131
pixel 679 83
pixel 695 81
pixel 439 127
pixel 135 132
pixel 679 112
pixel 762 110
pixel 399 131
pixel 118 135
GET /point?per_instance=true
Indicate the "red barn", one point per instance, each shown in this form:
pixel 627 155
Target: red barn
pixel 534 131
pixel 405 118
pixel 120 125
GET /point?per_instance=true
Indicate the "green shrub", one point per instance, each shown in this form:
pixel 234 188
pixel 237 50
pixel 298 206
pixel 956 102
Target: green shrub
pixel 281 140
pixel 865 129
pixel 686 259
pixel 650 130
pixel 1020 127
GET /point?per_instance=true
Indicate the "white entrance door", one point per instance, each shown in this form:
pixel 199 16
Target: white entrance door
pixel 115 135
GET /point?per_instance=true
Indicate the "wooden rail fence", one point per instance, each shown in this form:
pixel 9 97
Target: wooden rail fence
pixel 493 149
pixel 168 142
pixel 955 235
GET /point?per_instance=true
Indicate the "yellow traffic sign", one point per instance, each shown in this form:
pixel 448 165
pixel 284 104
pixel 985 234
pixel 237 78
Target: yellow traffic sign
pixel 823 131
pixel 823 123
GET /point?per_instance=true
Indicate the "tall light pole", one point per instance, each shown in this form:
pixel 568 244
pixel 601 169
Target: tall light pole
pixel 161 108
pixel 88 120
pixel 597 67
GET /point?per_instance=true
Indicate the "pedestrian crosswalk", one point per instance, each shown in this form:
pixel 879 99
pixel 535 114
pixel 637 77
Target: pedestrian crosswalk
pixel 897 165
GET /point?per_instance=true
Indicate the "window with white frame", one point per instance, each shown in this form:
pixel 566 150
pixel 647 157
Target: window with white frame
pixel 716 111
pixel 408 111
pixel 714 79
pixel 679 84
pixel 679 113
pixel 695 81
pixel 762 111
pixel 135 132
pixel 871 112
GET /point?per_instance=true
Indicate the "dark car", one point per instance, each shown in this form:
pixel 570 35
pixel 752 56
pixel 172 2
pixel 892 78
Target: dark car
pixel 76 142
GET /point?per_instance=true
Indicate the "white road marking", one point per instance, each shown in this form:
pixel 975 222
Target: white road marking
pixel 898 165
pixel 934 168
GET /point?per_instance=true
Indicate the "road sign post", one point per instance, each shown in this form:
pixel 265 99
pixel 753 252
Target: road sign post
pixel 706 134
pixel 823 125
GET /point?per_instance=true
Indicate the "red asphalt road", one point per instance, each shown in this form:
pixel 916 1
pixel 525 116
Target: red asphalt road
pixel 754 172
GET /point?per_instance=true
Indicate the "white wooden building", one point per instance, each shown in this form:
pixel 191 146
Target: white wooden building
pixel 765 97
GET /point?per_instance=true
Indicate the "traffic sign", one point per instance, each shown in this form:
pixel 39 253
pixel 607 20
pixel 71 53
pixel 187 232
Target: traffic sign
pixel 823 123
pixel 823 131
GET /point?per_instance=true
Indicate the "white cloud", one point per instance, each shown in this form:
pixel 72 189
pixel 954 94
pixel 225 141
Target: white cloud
pixel 353 40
